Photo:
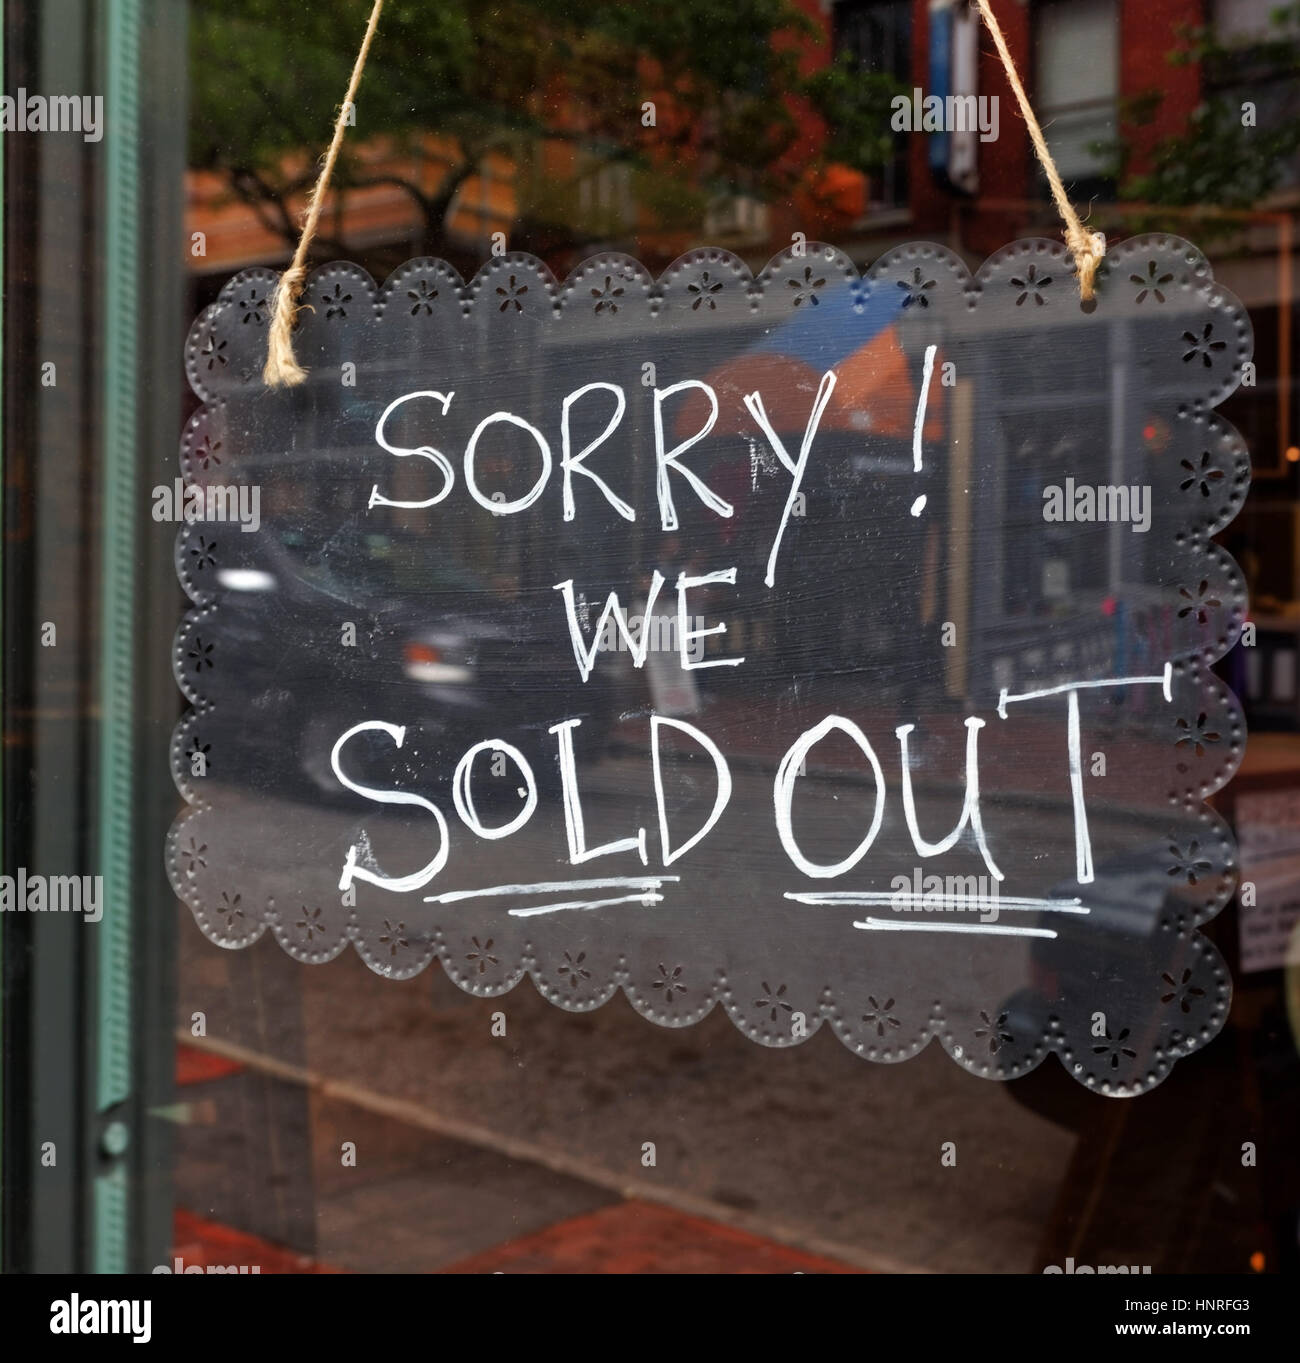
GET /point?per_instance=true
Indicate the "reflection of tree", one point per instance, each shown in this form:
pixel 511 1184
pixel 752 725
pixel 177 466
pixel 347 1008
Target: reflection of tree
pixel 451 88
pixel 1221 159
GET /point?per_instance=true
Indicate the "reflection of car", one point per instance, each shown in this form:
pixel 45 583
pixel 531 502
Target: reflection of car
pixel 384 627
pixel 1120 936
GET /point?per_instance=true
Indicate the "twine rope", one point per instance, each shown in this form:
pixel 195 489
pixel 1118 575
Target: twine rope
pixel 1088 248
pixel 282 369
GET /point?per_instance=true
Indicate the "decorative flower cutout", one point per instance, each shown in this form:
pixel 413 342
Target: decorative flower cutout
pixel 704 291
pixel 1031 285
pixel 605 298
pixel 1202 345
pixel 572 969
pixel 511 294
pixel 1196 736
pixel 1190 864
pixel 334 301
pixel 994 1029
pixel 421 297
pixel 1181 989
pixel 774 1000
pixel 807 288
pixel 195 855
pixel 916 289
pixel 253 306
pixel 1114 1047
pixel 231 909
pixel 211 352
pixel 203 554
pixel 1203 474
pixel 309 924
pixel 1151 283
pixel 880 1017
pixel 206 452
pixel 1199 603
pixel 482 953
pixel 669 981
pixel 393 937
pixel 201 654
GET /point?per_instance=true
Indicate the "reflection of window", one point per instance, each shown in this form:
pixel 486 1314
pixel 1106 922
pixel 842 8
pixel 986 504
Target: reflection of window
pixel 1076 60
pixel 1241 18
pixel 1259 67
pixel 606 205
pixel 739 217
pixel 877 36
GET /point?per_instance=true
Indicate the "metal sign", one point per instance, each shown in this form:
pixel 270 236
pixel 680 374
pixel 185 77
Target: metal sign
pixel 833 648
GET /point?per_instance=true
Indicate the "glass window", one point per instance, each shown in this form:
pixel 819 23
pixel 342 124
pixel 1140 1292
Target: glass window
pixel 237 1064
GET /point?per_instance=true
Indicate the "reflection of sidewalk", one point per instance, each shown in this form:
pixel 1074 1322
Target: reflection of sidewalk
pixel 641 1237
pixel 200 1244
pixel 624 1237
pixel 466 1143
pixel 423 1201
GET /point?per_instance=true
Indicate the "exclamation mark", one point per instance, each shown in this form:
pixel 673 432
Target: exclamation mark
pixel 919 505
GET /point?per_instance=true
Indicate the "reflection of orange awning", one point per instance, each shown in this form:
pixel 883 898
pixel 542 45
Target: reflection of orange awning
pixel 874 394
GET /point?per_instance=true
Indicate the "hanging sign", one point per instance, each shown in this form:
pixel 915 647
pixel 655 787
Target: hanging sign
pixel 833 648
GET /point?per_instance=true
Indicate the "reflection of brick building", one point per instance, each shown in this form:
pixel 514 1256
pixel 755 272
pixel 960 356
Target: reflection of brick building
pixel 236 235
pixel 1079 59
pixel 1088 64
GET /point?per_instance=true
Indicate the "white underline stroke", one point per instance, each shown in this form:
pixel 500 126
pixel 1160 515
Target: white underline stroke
pixel 905 901
pixel 989 929
pixel 646 899
pixel 552 887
